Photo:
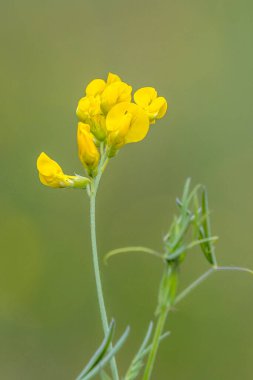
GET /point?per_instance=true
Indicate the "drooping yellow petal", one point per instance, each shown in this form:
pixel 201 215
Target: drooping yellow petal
pixel 51 174
pixel 87 150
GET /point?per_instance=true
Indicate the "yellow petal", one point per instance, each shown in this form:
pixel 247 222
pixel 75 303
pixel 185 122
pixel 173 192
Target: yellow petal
pixel 46 166
pixel 95 87
pixel 51 174
pixel 87 150
pixel 131 119
pixel 144 96
pixel 112 78
pixel 83 107
pixel 139 126
pixel 116 92
pixel 158 107
pixel 87 107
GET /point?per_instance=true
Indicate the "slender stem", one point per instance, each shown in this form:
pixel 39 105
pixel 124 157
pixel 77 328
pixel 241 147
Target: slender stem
pixel 96 263
pixel 204 276
pixel 166 292
pixel 100 296
pixel 239 269
pixel 193 285
pixel 156 340
pixel 165 310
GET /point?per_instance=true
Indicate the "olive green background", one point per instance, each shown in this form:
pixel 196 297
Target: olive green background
pixel 198 54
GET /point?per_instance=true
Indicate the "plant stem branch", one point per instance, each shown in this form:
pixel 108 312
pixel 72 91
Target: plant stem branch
pixel 103 314
pixel 156 340
pixel 96 264
pixel 165 298
pixel 193 285
pixel 205 275
pixel 165 310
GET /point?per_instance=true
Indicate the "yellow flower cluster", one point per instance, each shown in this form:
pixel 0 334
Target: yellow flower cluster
pixel 108 109
pixel 108 119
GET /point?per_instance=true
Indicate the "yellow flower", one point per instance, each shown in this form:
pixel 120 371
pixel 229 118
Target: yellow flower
pixel 88 107
pixel 87 150
pixel 100 97
pixel 51 174
pixel 155 106
pixel 89 112
pixel 126 123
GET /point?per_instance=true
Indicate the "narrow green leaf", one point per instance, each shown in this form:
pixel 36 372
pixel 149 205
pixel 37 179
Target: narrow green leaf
pixel 186 190
pixel 107 357
pixel 183 227
pixel 207 247
pixel 137 363
pixel 100 353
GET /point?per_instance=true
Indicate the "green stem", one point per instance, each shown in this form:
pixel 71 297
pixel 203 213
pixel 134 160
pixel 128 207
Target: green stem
pixel 204 276
pixel 165 310
pixel 93 191
pixel 96 264
pixel 194 284
pixel 164 301
pixel 158 332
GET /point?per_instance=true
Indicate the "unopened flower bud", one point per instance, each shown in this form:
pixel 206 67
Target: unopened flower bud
pixel 87 150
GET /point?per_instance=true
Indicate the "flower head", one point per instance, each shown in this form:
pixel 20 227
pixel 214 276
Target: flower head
pixel 100 97
pixel 155 106
pixel 126 123
pixel 51 174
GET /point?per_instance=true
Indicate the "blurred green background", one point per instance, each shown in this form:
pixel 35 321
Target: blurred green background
pixel 199 55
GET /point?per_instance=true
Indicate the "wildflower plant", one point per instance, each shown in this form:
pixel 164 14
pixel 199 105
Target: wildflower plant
pixel 109 117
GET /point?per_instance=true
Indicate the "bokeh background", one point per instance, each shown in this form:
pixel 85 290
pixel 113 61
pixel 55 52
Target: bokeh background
pixel 199 55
